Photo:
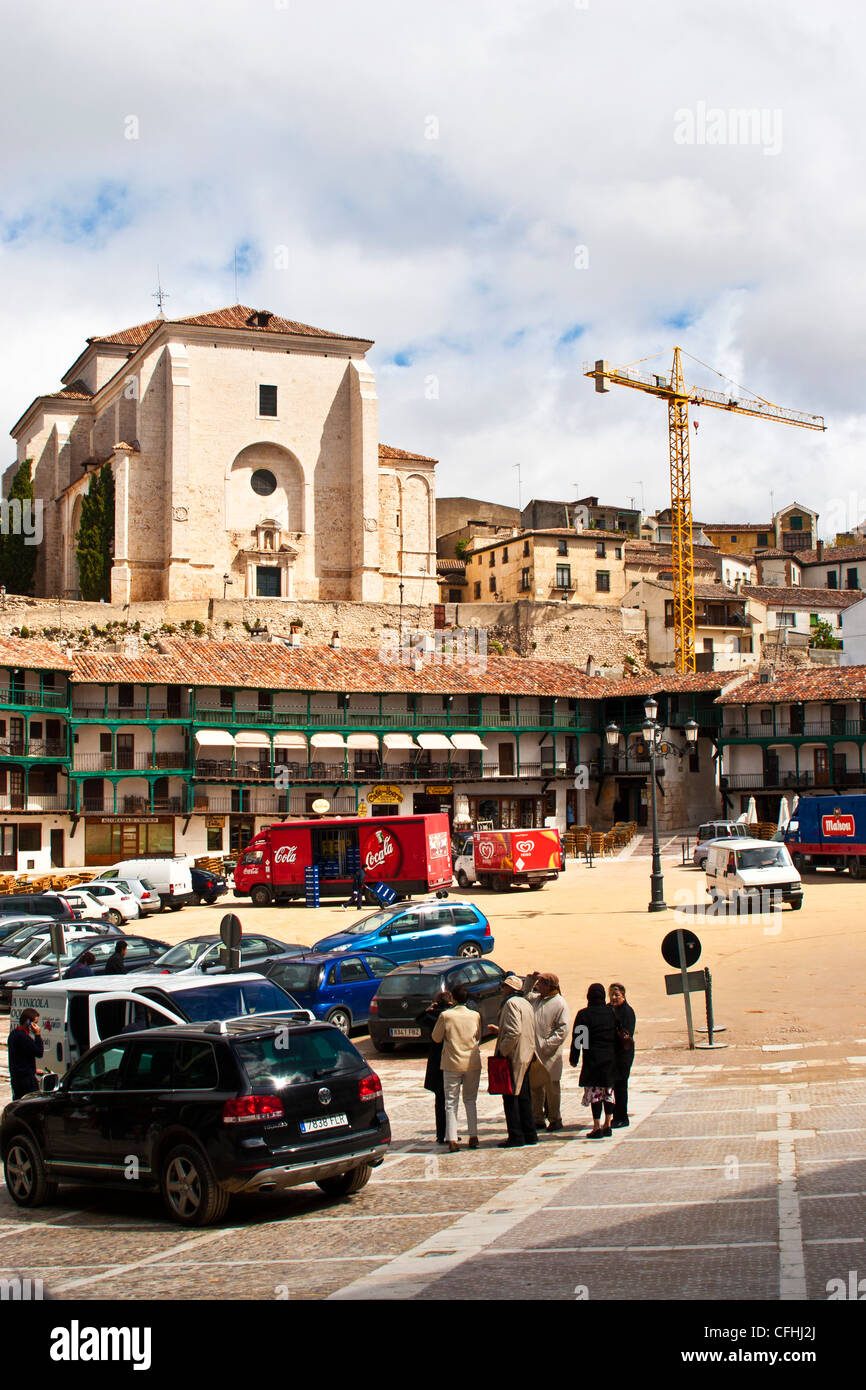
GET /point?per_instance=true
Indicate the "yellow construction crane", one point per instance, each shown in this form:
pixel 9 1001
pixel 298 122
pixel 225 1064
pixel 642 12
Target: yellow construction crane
pixel 679 397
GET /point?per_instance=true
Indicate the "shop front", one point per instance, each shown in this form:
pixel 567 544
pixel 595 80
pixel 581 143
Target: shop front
pixel 511 812
pixel 436 796
pixel 108 839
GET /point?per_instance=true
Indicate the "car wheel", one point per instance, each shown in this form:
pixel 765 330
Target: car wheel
pixel 190 1191
pixel 463 879
pixel 341 1018
pixel 115 917
pixel 796 904
pixel 261 895
pixel 197 899
pixel 346 1183
pixel 24 1171
pixel 470 950
pixel 384 1045
pixel 175 907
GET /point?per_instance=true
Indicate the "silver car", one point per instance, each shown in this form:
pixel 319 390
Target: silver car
pixel 715 830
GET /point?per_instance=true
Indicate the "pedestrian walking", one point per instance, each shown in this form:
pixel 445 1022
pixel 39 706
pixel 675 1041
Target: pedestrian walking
pixel 24 1047
pixel 516 1041
pixel 116 965
pixel 459 1031
pixel 594 1036
pixel 625 1029
pixel 551 1030
pixel 356 897
pixel 433 1078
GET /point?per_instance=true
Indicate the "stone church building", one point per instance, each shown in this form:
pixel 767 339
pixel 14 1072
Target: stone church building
pixel 243 446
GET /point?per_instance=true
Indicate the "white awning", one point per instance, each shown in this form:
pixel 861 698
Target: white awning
pixel 468 741
pixel 434 741
pixel 214 738
pixel 290 741
pixel 362 741
pixel 400 741
pixel 328 741
pixel 252 738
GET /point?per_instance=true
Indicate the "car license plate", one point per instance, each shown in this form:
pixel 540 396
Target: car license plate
pixel 324 1122
pixel 405 1032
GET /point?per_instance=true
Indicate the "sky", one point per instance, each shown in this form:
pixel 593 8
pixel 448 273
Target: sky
pixel 496 193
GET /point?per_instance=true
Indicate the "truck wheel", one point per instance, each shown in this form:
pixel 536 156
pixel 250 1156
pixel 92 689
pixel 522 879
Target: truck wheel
pixel 24 1171
pixel 463 879
pixel 796 904
pixel 346 1183
pixel 261 895
pixel 470 950
pixel 175 907
pixel 857 866
pixel 498 884
pixel 190 1191
pixel 535 886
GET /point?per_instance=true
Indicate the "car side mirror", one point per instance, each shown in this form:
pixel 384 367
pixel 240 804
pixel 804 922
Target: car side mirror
pixel 48 1082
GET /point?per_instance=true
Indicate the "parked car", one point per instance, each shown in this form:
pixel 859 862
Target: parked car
pixel 41 967
pixel 39 904
pixel 202 953
pixel 170 878
pixel 397 1010
pixel 26 947
pixel 121 906
pixel 715 830
pixel 748 873
pixel 206 886
pixel 143 891
pixel 40 926
pixel 9 926
pixel 82 903
pixel 416 931
pixel 336 987
pixel 206 1112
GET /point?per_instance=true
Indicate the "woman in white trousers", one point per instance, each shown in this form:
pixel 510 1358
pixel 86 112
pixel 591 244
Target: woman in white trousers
pixel 459 1031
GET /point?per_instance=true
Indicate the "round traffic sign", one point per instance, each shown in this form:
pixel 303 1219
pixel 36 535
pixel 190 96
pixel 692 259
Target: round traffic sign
pixel 691 947
pixel 231 931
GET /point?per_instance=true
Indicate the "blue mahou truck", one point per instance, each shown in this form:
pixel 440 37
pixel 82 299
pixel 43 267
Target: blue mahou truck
pixel 829 832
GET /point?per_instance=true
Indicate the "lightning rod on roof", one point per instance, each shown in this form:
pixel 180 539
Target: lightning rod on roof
pixel 160 294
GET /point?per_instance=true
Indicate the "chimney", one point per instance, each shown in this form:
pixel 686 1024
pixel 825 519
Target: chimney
pixel 819 551
pixel 335 641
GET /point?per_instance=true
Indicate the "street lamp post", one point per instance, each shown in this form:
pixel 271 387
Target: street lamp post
pixel 652 738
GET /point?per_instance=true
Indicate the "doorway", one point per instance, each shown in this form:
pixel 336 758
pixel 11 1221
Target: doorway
pixel 241 831
pixel 822 767
pixel 56 838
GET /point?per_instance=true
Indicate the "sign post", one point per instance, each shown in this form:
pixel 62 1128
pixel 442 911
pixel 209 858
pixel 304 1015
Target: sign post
pixel 58 942
pixel 712 1027
pixel 231 932
pixel 682 948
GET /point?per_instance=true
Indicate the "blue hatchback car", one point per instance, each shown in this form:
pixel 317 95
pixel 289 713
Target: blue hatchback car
pixel 416 931
pixel 335 986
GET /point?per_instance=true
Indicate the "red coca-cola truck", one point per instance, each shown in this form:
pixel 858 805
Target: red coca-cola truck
pixel 410 854
pixel 499 859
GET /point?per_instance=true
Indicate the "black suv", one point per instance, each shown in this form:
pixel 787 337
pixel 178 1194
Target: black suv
pixel 251 1105
pixel 398 1009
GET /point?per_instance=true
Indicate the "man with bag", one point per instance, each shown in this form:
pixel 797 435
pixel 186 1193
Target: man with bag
pixel 516 1043
pixel 551 1030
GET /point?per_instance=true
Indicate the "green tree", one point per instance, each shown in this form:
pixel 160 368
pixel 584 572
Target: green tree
pixel 17 557
pixel 824 636
pixel 95 541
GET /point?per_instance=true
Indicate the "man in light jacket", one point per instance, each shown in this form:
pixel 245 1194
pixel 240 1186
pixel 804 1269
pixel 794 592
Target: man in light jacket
pixel 459 1030
pixel 551 1030
pixel 516 1041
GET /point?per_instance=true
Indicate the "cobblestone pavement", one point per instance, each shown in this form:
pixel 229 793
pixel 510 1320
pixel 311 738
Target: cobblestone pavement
pixel 742 1176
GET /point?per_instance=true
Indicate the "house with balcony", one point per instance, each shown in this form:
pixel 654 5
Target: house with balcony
pixel 840 567
pixel 791 732
pixel 788 618
pixel 725 637
pixel 792 529
pixel 34 753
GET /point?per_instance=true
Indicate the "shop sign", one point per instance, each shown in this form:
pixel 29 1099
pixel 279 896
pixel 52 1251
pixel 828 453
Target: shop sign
pixel 119 820
pixel 214 822
pixel 439 789
pixel 390 796
pixel 362 808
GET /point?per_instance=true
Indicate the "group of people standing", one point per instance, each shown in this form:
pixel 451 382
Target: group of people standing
pixel 531 1032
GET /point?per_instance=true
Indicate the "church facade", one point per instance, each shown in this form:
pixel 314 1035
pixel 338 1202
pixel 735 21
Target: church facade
pixel 246 460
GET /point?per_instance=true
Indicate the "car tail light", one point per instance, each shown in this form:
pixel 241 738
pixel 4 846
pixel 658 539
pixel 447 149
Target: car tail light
pixel 245 1108
pixel 487 931
pixel 369 1087
pixel 374 1006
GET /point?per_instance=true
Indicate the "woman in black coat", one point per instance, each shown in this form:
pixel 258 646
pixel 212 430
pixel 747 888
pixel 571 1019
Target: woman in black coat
pixel 434 1079
pixel 595 1035
pixel 625 1022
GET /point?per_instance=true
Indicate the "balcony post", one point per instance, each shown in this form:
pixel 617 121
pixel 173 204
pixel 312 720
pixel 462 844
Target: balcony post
pixel 147 701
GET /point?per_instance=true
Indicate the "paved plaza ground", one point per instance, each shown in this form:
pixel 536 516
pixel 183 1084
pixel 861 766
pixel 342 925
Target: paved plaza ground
pixel 742 1176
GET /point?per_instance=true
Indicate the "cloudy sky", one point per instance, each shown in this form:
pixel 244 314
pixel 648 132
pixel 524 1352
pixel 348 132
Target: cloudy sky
pixel 495 192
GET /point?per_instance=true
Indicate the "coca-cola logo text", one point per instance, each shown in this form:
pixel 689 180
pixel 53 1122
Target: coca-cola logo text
pixel 286 854
pixel 381 853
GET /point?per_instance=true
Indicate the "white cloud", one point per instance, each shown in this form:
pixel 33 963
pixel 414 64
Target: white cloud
pixel 306 127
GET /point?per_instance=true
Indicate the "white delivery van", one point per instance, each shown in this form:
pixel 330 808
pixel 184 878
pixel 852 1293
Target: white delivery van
pixel 170 878
pixel 76 1014
pixel 752 873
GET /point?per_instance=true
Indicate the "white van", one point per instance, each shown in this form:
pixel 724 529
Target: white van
pixel 170 878
pixel 752 872
pixel 76 1014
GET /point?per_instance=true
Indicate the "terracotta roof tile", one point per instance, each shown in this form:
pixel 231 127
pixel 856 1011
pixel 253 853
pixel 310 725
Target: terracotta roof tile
pixel 77 391
pixel 798 596
pixel 388 451
pixel 233 317
pixel 833 554
pixel 451 566
pixel 816 683
pixel 30 653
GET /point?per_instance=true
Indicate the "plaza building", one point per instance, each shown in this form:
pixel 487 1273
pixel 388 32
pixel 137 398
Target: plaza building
pixel 192 748
pixel 245 451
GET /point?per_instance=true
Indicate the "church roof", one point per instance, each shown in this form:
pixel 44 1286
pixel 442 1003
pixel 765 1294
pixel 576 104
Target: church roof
pixel 233 317
pixel 388 451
